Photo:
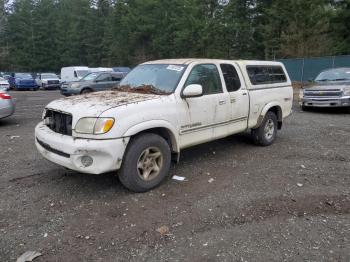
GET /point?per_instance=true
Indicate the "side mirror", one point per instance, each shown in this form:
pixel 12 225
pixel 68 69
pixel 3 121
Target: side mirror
pixel 192 91
pixel 310 80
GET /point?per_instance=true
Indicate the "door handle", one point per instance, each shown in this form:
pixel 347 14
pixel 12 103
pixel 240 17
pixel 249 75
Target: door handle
pixel 222 102
pixel 244 94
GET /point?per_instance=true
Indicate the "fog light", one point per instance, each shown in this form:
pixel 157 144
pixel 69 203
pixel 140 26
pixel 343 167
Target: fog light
pixel 87 161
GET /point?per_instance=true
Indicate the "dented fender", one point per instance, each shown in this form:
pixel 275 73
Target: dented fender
pixel 265 109
pixel 153 124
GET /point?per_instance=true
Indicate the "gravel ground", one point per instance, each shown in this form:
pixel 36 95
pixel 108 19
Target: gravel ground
pixel 286 202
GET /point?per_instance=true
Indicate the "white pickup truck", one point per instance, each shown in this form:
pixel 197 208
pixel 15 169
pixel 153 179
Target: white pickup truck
pixel 160 108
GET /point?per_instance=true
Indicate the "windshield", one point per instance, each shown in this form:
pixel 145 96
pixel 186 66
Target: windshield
pixel 89 77
pixel 340 74
pixel 23 75
pixel 81 73
pixel 151 78
pixel 48 76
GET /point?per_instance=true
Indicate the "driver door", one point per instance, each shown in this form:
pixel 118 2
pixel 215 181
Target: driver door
pixel 202 119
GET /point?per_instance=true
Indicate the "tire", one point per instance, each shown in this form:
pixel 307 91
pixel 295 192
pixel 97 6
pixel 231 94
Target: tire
pixel 304 108
pixel 142 156
pixel 266 133
pixel 86 91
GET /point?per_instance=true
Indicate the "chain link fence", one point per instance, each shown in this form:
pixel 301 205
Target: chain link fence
pixel 305 69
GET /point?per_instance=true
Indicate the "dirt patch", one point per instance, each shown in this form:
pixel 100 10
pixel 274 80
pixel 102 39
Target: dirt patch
pixel 144 89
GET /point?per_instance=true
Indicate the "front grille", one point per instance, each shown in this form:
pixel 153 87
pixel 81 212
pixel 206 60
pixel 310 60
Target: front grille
pixel 323 93
pixel 59 122
pixel 52 82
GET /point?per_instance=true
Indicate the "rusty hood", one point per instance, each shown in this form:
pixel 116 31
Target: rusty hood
pixel 94 104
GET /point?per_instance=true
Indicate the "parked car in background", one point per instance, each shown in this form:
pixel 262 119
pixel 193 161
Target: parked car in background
pixel 73 73
pixel 159 109
pixel 331 88
pixel 22 81
pixel 122 69
pixel 7 106
pixel 92 82
pixel 4 84
pixel 48 81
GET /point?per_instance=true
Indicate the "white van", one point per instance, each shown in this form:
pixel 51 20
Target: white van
pixel 73 73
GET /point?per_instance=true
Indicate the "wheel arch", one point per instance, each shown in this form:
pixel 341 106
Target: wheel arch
pixel 86 88
pixel 271 107
pixel 161 128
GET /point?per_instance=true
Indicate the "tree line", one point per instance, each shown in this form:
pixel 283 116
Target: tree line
pixel 45 35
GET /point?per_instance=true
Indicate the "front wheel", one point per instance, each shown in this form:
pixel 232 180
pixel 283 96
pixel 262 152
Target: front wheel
pixel 86 91
pixel 146 163
pixel 266 133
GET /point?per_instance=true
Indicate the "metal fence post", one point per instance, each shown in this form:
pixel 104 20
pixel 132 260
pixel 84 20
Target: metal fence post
pixel 302 70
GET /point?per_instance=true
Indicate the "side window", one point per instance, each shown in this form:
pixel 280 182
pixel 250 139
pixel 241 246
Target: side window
pixel 277 75
pixel 117 78
pixel 266 75
pixel 207 76
pixel 231 77
pixel 103 78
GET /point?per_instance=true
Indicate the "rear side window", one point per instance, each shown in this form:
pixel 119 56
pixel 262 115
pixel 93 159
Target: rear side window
pixel 116 78
pixel 104 78
pixel 260 75
pixel 231 77
pixel 206 75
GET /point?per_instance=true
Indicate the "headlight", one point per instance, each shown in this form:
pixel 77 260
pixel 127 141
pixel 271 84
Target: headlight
pixel 75 85
pixel 347 91
pixel 94 126
pixel 44 114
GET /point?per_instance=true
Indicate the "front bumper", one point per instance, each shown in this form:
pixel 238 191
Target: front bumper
pixel 26 85
pixel 326 102
pixel 70 91
pixel 68 152
pixel 51 86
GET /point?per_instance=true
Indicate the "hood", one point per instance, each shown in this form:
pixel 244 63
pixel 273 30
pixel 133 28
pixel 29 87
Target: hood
pixel 329 86
pixel 25 79
pixel 94 104
pixel 4 82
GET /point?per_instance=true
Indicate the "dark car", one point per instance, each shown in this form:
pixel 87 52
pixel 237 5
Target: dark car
pixel 22 81
pixel 331 88
pixel 97 81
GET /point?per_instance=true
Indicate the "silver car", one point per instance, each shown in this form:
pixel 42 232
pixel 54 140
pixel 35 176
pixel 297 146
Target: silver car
pixel 7 106
pixel 331 88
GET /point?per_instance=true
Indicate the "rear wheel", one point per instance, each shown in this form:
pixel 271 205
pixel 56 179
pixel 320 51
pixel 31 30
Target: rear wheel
pixel 266 133
pixel 146 163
